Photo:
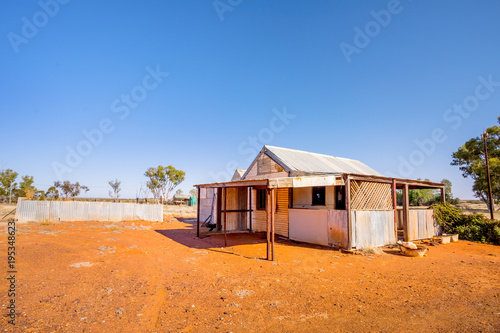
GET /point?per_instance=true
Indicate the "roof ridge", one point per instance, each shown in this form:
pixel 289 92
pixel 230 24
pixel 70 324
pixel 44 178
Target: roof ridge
pixel 312 153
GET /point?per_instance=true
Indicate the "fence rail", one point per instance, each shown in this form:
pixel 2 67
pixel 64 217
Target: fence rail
pixel 53 211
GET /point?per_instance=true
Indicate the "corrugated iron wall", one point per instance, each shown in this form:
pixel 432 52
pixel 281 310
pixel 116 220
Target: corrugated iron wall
pixel 41 211
pixel 372 228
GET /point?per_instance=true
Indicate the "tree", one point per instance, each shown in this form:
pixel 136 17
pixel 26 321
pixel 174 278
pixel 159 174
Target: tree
pixel 7 179
pixel 26 188
pixel 52 193
pixel 179 191
pixel 162 180
pixel 156 177
pixel 470 158
pixel 115 186
pixel 421 197
pixel 193 192
pixel 448 195
pixel 70 190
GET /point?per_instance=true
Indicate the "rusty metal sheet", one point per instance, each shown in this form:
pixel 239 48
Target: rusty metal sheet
pixel 337 228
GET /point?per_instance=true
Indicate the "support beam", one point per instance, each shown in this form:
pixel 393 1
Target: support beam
pixel 225 216
pixel 250 207
pixel 268 223
pixel 350 232
pixel 395 205
pixel 219 209
pixel 406 214
pixel 273 201
pixel 443 195
pixel 198 203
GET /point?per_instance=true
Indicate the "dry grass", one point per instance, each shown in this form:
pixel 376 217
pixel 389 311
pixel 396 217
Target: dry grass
pixel 5 209
pixel 178 210
pixel 477 207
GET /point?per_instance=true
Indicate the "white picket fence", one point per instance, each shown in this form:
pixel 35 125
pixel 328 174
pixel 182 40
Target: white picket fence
pixel 53 211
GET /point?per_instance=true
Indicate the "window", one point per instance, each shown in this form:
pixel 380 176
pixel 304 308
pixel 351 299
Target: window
pixel 261 199
pixel 318 198
pixel 340 197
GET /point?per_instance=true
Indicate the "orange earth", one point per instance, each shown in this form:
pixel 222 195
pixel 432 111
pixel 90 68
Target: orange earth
pixel 158 277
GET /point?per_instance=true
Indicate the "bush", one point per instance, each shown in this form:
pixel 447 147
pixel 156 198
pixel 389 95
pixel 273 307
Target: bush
pixel 473 227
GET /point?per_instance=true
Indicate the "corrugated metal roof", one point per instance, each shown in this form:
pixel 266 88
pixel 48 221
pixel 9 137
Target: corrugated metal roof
pixel 303 161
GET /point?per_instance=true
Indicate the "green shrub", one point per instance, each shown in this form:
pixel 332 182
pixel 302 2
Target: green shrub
pixel 473 227
pixel 447 216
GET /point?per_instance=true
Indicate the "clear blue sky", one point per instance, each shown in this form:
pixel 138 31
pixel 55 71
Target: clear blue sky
pixel 363 80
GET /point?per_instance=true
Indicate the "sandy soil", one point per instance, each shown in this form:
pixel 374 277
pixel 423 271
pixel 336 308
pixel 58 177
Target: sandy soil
pixel 158 277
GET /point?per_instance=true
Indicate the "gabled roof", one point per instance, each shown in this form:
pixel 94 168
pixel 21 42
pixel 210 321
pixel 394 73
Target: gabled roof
pixel 297 162
pixel 238 174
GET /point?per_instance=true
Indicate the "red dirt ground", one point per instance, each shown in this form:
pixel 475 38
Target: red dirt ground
pixel 158 277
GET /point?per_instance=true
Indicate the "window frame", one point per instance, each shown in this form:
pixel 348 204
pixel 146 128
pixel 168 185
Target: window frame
pixel 261 200
pixel 322 201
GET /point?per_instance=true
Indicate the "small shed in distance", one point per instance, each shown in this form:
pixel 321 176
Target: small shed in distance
pixel 181 199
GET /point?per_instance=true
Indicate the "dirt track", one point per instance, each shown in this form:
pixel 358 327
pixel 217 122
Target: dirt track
pixel 156 277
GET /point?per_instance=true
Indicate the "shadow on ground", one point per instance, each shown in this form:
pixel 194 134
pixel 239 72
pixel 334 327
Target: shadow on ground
pixel 214 241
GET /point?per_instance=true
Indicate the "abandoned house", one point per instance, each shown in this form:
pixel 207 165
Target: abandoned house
pixel 315 198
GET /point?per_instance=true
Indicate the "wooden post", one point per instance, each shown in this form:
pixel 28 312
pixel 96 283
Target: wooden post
pixel 395 204
pixel 198 211
pixel 250 208
pixel 348 211
pixel 219 209
pixel 268 222
pixel 225 216
pixel 273 201
pixel 406 214
pixel 443 194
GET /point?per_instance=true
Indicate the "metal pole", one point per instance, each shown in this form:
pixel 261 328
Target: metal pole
pixel 490 194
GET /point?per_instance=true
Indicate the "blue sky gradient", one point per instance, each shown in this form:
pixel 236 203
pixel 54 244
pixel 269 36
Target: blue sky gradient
pixel 232 67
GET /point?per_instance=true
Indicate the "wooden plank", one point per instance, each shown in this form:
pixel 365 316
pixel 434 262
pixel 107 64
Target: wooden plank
pixel 395 207
pixel 225 216
pixel 281 212
pixel 198 211
pixel 268 223
pixel 273 208
pixel 250 208
pixel 406 214
pixel 219 209
pixel 239 183
pixel 348 210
